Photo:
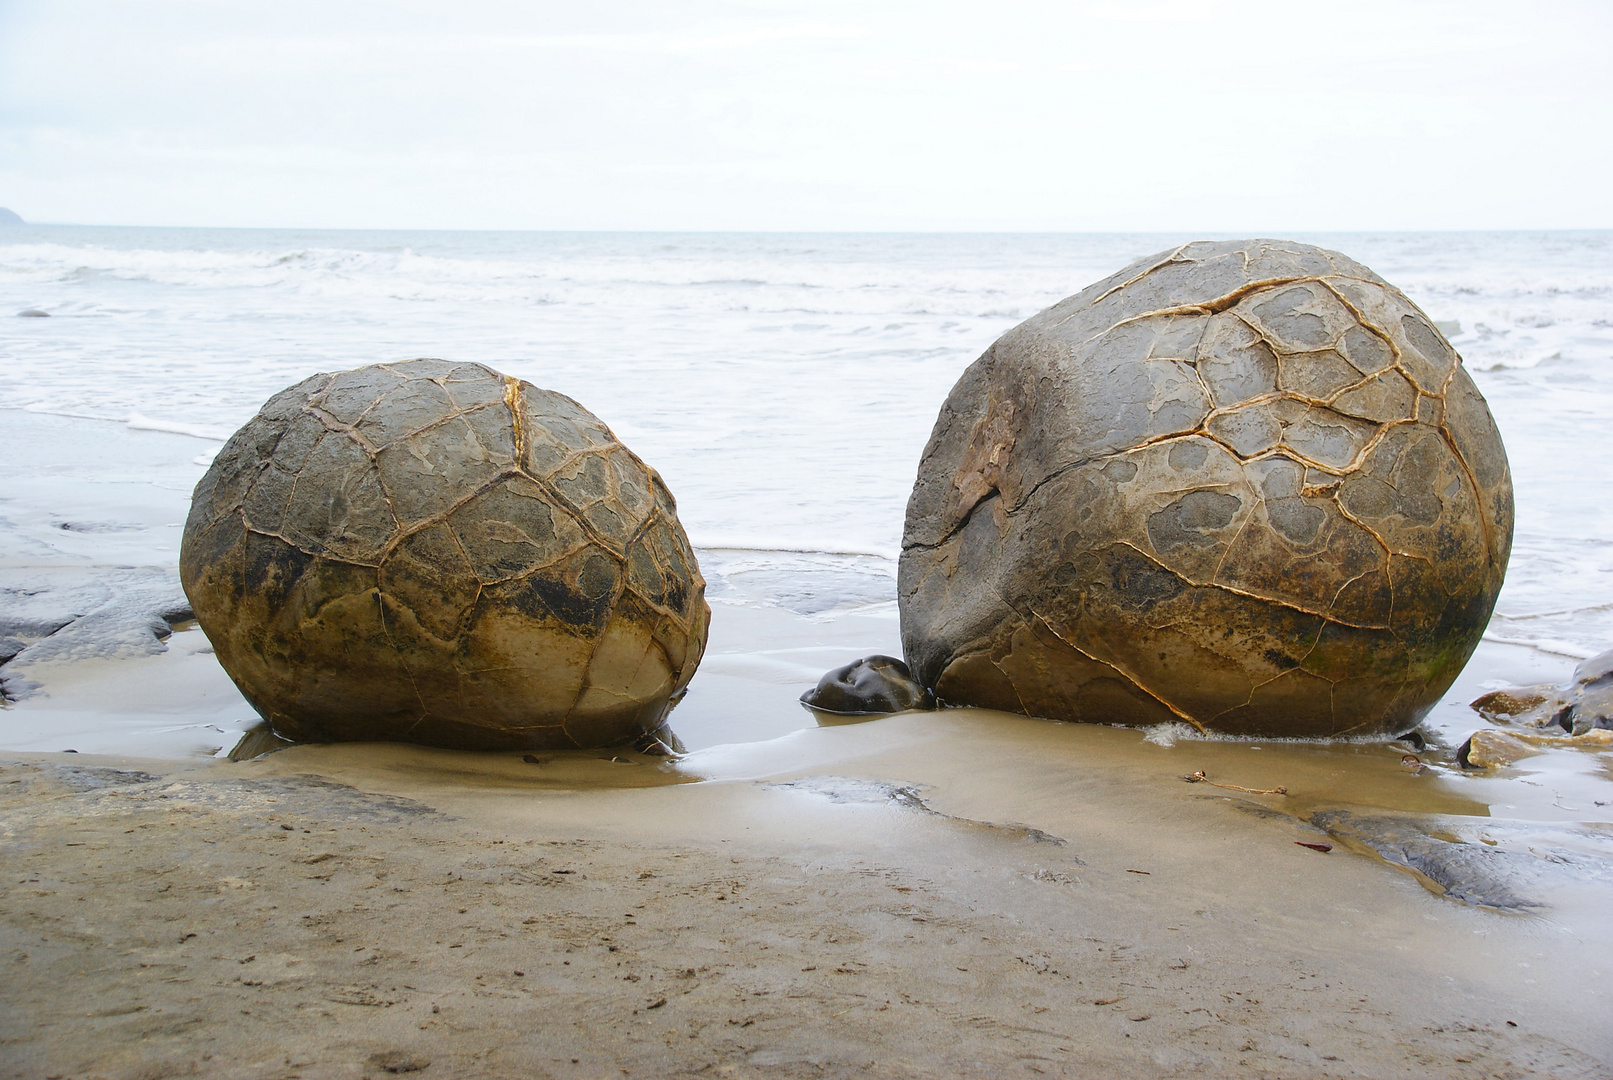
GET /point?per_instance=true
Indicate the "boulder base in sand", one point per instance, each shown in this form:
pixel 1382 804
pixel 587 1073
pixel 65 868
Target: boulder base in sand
pixel 1244 484
pixel 437 553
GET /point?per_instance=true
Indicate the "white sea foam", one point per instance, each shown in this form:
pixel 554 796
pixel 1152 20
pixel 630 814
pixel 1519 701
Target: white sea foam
pixel 783 384
pixel 175 427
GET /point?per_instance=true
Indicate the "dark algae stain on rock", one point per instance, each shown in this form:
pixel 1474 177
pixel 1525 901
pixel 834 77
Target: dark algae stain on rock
pixel 1245 485
pixel 437 553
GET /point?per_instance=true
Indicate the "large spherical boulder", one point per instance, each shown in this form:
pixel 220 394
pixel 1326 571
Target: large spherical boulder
pixel 437 553
pixel 1246 485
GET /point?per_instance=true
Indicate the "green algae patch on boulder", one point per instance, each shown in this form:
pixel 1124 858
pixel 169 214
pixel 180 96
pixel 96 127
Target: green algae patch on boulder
pixel 1247 485
pixel 434 552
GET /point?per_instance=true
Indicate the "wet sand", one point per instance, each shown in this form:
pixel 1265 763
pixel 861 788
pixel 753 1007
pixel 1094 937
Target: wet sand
pixel 961 893
pixel 955 894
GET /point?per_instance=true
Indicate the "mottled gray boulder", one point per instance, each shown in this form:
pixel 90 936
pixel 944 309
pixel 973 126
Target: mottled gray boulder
pixel 434 552
pixel 1242 484
pixel 872 686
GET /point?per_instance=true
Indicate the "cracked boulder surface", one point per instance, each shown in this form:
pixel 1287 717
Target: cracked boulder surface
pixel 1247 485
pixel 433 552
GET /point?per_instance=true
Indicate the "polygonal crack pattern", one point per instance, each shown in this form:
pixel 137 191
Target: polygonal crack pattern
pixel 1246 485
pixel 433 552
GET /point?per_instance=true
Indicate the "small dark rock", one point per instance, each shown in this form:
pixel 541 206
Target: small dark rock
pixel 1585 704
pixel 258 741
pixel 1503 706
pixel 33 313
pixel 1415 740
pixel 661 742
pixel 397 1061
pixel 873 686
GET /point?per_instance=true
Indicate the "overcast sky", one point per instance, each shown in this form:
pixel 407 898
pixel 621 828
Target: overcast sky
pixel 703 114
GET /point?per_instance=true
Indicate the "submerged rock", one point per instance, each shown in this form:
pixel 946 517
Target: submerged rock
pixel 61 618
pixel 1247 485
pixel 872 686
pixel 1582 711
pixel 1488 748
pixel 1518 703
pixel 436 553
pixel 1585 704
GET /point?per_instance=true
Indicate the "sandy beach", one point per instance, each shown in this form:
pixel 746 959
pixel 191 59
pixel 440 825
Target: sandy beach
pixel 962 893
pixel 476 353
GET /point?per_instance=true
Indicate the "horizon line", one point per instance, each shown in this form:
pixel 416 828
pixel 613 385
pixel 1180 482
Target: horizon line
pixel 672 231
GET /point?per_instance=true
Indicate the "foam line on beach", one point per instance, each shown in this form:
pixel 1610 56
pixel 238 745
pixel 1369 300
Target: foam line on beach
pixel 174 427
pixel 137 422
pixel 763 547
pixel 1553 646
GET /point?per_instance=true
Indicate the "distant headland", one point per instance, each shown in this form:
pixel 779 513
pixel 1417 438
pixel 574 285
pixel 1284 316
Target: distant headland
pixel 10 217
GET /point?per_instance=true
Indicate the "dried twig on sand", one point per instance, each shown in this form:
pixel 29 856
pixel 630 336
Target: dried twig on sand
pixel 1199 778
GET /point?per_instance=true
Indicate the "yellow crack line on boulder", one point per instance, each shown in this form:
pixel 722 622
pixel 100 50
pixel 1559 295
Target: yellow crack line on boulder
pixel 1249 699
pixel 1478 493
pixel 1214 306
pixel 1166 261
pixel 1388 339
pixel 386 628
pixel 1234 590
pixel 514 400
pixel 1133 679
pixel 1260 500
pixel 1370 531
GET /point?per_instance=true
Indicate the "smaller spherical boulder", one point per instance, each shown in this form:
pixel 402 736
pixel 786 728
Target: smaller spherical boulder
pixel 433 552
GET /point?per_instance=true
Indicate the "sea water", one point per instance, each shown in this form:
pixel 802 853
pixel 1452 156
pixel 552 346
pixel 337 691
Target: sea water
pixel 783 384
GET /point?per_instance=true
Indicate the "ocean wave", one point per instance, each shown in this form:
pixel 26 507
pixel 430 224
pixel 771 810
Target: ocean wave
pixel 543 276
pixel 729 547
pixel 176 427
pixel 819 584
pixel 1553 646
pixel 135 422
